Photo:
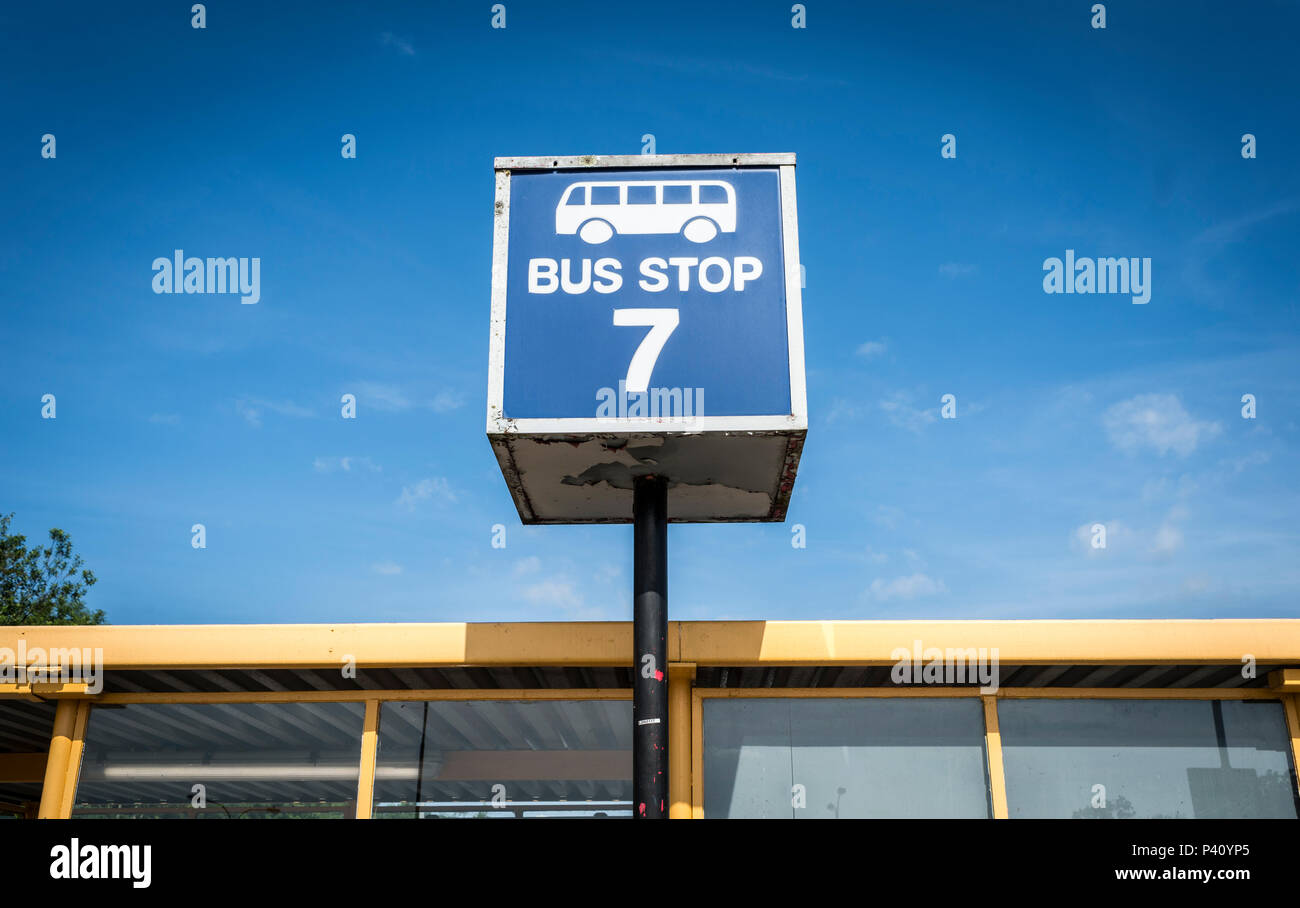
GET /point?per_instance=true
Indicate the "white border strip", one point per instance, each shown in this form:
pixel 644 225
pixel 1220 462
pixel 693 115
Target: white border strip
pixel 569 162
pixel 793 297
pixel 500 273
pixel 611 426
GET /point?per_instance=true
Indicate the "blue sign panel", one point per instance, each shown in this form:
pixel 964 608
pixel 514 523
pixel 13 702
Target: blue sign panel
pixel 631 286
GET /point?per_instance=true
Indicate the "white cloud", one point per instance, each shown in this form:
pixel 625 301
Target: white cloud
pixel 1253 459
pixel 1121 539
pixel 251 409
pixel 1168 539
pixel 393 399
pixel 1068 401
pixel 435 488
pixel 401 45
pixel 561 594
pixel 446 401
pixel 530 565
pixel 346 465
pixel 842 409
pixel 553 591
pixel 871 348
pixel 902 414
pixel 1155 489
pixel 382 397
pixel 906 587
pixel 888 516
pixel 386 567
pixel 1236 228
pixel 1169 488
pixel 1156 421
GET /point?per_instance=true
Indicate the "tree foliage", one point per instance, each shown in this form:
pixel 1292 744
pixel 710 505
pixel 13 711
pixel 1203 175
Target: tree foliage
pixel 43 585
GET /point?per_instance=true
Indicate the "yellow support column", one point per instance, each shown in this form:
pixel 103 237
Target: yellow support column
pixel 369 754
pixel 993 744
pixel 56 765
pixel 680 677
pixel 697 756
pixel 1291 705
pixel 76 748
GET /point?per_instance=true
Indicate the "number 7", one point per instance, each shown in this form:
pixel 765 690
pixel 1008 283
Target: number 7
pixel 662 322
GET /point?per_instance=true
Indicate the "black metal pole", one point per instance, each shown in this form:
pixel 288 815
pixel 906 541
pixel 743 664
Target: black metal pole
pixel 650 642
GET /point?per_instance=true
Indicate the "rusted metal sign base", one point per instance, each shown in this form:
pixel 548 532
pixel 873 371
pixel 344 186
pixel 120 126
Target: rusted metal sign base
pixel 714 477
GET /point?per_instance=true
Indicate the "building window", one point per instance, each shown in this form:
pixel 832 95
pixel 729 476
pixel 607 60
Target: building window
pixel 221 761
pixel 504 758
pixel 1146 759
pixel 844 757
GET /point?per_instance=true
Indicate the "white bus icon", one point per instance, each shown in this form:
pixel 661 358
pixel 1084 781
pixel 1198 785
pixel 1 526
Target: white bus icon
pixel 697 209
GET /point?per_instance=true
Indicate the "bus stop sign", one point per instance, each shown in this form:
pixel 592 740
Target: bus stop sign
pixel 646 320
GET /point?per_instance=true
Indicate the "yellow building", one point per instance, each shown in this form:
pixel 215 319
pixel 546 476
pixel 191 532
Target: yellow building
pixel 1192 718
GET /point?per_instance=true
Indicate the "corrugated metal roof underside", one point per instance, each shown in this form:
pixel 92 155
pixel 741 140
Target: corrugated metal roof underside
pixel 1053 676
pixel 496 678
pixel 25 726
pixel 578 678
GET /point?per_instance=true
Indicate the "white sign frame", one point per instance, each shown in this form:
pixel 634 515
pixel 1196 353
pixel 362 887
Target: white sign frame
pixel 501 429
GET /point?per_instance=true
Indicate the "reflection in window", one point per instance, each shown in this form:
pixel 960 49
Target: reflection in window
pixel 25 728
pixel 1120 759
pixel 504 758
pixel 844 757
pixel 221 761
pixel 18 798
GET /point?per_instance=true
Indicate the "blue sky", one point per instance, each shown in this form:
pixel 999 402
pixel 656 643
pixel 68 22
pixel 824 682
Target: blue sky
pixel 924 277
